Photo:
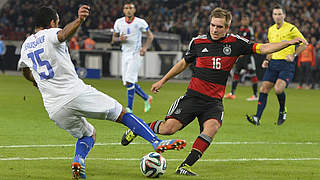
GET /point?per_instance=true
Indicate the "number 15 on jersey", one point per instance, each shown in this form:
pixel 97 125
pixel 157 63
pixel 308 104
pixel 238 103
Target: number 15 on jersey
pixel 38 64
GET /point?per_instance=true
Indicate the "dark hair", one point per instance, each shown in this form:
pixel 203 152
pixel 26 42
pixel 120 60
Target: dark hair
pixel 44 16
pixel 128 2
pixel 278 6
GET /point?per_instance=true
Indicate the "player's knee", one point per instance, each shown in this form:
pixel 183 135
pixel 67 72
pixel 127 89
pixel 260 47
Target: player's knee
pixel 278 90
pixel 211 127
pixel 265 88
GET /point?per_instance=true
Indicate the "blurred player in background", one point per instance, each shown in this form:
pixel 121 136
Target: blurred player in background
pixel 280 65
pixel 246 62
pixel 214 55
pixel 2 52
pixel 46 62
pixel 306 61
pixel 128 31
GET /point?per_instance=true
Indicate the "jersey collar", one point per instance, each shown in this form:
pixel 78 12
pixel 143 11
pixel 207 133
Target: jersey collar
pixel 130 21
pixel 221 39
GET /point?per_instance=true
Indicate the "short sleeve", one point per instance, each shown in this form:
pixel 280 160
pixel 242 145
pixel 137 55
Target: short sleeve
pixel 296 33
pixel 144 27
pixel 24 60
pixel 246 47
pixel 190 55
pixel 116 27
pixel 53 35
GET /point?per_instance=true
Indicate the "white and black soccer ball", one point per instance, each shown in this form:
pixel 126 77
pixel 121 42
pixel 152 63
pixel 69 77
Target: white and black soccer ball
pixel 153 165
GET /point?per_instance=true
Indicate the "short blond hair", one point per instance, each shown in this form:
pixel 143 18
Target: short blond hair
pixel 222 13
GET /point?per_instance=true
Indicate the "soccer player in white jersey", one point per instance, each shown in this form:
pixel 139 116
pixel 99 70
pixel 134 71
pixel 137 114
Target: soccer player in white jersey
pixel 128 31
pixel 46 62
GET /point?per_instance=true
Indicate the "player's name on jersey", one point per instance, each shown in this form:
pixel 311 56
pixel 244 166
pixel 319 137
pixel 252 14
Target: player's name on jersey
pixel 35 43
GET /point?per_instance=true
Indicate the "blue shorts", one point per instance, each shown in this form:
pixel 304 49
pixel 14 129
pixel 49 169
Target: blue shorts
pixel 280 69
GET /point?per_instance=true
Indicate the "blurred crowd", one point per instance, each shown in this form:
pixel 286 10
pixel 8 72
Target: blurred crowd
pixel 185 17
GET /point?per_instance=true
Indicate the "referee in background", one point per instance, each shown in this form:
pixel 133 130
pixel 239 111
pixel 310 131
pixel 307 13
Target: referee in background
pixel 280 65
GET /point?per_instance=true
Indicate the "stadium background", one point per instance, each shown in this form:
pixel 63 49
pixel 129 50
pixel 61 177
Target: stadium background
pixel 174 23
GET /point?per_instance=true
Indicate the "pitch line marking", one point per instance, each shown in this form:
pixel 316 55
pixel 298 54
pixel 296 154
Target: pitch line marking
pixel 139 143
pixel 136 159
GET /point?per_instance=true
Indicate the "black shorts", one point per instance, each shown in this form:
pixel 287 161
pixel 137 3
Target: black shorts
pixel 187 108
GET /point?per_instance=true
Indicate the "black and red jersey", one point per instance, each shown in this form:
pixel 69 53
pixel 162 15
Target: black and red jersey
pixel 247 32
pixel 213 60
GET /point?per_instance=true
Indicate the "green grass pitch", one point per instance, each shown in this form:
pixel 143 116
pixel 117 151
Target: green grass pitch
pixel 32 147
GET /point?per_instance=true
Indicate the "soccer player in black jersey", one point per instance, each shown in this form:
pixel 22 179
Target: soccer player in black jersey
pixel 246 62
pixel 213 56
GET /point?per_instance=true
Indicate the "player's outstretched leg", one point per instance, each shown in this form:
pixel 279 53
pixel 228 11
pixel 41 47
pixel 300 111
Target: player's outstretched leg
pixel 83 147
pixel 129 136
pixel 139 127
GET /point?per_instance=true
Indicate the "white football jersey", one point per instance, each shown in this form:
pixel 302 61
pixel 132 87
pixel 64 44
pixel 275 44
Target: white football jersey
pixel 52 69
pixel 133 31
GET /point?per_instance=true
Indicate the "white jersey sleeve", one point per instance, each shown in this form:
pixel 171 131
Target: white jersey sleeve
pixel 116 27
pixel 144 27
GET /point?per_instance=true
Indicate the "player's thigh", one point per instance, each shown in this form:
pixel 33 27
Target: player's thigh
pixel 287 76
pixel 133 68
pixel 77 126
pixel 97 105
pixel 183 109
pixel 270 75
pixel 211 110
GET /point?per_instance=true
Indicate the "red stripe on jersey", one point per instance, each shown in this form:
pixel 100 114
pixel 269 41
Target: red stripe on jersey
pixel 245 29
pixel 207 88
pixel 223 63
pixel 199 41
pixel 229 39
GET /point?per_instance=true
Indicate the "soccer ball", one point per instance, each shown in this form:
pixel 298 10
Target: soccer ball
pixel 153 165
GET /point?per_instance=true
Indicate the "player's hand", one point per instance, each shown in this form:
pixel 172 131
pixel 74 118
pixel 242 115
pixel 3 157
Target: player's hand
pixel 297 41
pixel 122 38
pixel 156 86
pixel 265 64
pixel 290 58
pixel 83 12
pixel 143 51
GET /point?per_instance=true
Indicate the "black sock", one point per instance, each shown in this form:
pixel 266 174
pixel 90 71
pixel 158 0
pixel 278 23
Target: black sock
pixel 234 86
pixel 193 157
pixel 255 89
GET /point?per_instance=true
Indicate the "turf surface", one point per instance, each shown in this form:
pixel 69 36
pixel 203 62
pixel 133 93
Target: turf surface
pixel 32 147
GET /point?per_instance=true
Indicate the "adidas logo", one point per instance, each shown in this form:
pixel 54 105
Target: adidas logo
pixel 204 50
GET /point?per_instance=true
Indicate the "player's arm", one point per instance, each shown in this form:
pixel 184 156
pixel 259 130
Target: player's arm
pixel 147 44
pixel 28 75
pixel 175 70
pixel 71 28
pixel 296 33
pixel 291 57
pixel 269 48
pixel 118 38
